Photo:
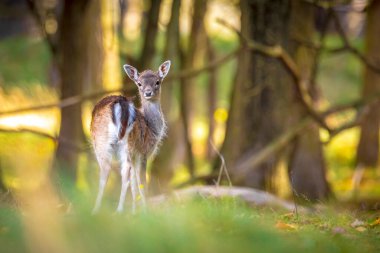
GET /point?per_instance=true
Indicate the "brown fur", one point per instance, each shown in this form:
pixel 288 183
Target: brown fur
pixel 143 138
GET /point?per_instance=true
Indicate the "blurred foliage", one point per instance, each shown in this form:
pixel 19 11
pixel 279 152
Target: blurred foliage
pixel 24 62
pixel 340 75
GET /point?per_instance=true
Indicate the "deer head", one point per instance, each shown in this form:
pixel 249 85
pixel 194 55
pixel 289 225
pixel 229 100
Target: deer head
pixel 148 82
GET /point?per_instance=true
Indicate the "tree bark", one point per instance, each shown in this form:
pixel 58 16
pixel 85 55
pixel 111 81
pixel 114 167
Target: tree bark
pixel 262 96
pixel 111 63
pixel 187 62
pixel 163 167
pixel 306 162
pixel 368 148
pixel 73 46
pixel 212 95
pixel 149 49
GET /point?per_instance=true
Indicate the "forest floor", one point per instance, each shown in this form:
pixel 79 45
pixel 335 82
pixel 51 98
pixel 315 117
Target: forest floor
pixel 198 225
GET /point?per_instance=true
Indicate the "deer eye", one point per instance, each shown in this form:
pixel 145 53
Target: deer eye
pixel 139 84
pixel 157 83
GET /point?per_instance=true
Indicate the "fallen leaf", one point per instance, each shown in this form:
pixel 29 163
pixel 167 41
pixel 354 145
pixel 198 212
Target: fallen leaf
pixel 338 230
pixel 288 215
pixel 375 223
pixel 361 229
pixel 357 223
pixel 286 226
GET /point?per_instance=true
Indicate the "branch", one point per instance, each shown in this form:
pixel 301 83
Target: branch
pixel 360 115
pixel 356 104
pixel 32 131
pixel 347 44
pixel 55 139
pixel 279 53
pixel 252 159
pixel 304 97
pixel 223 167
pixel 188 73
pixel 63 103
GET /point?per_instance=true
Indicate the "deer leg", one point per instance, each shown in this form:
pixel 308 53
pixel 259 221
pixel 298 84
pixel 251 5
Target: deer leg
pixel 125 180
pixel 104 158
pixel 133 189
pixel 141 166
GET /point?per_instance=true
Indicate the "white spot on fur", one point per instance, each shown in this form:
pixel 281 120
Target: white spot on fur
pixel 117 114
pixel 132 117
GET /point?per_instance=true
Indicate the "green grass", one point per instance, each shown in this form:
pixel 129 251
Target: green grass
pixel 198 226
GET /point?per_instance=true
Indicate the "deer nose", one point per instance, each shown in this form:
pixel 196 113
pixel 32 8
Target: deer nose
pixel 148 93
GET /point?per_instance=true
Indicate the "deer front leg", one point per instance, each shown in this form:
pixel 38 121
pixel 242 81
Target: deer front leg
pixel 141 169
pixel 125 171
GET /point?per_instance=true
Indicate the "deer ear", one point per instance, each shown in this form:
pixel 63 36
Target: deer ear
pixel 131 72
pixel 163 70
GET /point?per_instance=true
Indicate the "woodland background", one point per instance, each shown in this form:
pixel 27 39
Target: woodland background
pixel 280 96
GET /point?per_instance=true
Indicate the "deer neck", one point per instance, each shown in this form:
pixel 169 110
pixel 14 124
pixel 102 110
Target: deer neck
pixel 153 116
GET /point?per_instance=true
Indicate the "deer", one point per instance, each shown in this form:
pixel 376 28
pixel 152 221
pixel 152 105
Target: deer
pixel 132 134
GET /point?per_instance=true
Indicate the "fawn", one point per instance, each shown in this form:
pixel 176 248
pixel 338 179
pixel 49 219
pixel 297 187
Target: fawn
pixel 132 133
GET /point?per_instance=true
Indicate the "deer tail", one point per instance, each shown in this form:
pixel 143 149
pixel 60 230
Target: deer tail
pixel 123 115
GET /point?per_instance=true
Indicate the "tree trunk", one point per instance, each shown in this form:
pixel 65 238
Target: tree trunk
pixel 306 163
pixel 111 63
pixel 212 94
pixel 73 46
pixel 262 96
pixel 368 148
pixel 187 62
pixel 95 51
pixel 148 51
pixel 163 167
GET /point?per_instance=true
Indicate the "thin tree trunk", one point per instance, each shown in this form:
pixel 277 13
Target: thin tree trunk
pixel 73 46
pixel 149 50
pixel 368 148
pixel 211 56
pixel 163 167
pixel 111 63
pixel 307 170
pixel 187 62
pixel 95 51
pixel 262 96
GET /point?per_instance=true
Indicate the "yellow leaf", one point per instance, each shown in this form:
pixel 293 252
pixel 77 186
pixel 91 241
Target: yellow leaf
pixel 361 229
pixel 376 222
pixel 286 226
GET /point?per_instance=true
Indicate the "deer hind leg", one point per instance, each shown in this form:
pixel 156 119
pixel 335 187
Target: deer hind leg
pixel 125 171
pixel 133 189
pixel 104 156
